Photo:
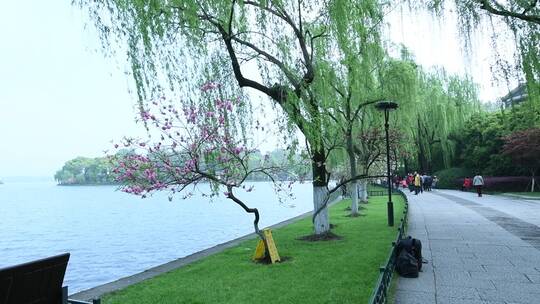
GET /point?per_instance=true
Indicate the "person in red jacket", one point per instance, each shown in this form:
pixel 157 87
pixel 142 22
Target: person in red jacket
pixel 467 184
pixel 410 182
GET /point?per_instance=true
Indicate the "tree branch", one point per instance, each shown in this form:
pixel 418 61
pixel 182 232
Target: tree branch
pixel 231 196
pixel 290 76
pixel 486 5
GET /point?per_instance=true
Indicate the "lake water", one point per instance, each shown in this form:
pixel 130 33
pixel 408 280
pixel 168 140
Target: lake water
pixel 111 234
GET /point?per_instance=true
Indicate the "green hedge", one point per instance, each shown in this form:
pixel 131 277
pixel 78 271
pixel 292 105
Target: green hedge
pixel 448 178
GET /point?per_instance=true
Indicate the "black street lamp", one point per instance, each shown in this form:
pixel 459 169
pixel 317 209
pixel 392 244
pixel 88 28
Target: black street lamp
pixel 387 106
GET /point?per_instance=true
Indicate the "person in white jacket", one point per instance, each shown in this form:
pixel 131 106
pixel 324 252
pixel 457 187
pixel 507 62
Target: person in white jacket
pixel 478 182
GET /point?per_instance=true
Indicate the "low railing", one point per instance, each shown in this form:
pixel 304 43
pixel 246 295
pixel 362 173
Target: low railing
pixel 380 293
pixel 382 192
pixel 378 190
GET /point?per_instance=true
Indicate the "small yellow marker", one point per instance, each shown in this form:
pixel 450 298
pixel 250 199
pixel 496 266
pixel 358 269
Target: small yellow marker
pixel 268 243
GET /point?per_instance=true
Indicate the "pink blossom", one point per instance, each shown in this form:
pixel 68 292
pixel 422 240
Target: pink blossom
pixel 209 86
pixel 237 150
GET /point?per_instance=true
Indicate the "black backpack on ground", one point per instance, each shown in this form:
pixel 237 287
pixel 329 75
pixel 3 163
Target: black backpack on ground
pixel 409 257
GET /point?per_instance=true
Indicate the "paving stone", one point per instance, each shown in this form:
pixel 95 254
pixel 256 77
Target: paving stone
pixel 483 284
pixel 462 267
pixel 458 292
pixel 532 288
pixel 498 276
pixel 411 297
pixel 479 250
pixel 509 295
pixel 453 275
pixel 511 269
pixel 535 278
pixel 450 300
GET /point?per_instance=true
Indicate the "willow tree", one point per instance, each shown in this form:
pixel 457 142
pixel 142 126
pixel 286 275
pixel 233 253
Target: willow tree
pixel 172 45
pixel 356 72
pixel 348 67
pixel 443 104
pixel 522 19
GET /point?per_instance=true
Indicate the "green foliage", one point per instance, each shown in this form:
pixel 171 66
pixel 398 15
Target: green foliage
pixel 479 142
pixel 524 148
pixel 231 277
pixel 443 104
pixel 315 59
pixel 448 178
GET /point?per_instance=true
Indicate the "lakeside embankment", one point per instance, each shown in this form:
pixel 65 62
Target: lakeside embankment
pixel 321 272
pixel 111 234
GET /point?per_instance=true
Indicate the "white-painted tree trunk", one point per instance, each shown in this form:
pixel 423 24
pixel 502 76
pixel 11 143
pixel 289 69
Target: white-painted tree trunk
pixel 321 222
pixel 363 192
pixel 532 185
pixel 353 192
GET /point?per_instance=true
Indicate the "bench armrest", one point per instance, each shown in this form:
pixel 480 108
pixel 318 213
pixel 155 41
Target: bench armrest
pixel 65 299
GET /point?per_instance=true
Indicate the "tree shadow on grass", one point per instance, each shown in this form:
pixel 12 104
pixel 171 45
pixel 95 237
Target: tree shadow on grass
pixel 356 215
pixel 267 261
pixel 328 236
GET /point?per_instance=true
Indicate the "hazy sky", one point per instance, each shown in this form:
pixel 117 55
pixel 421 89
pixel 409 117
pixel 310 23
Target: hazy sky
pixel 59 98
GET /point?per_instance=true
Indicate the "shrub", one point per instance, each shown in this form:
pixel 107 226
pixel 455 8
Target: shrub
pixel 452 178
pixel 508 183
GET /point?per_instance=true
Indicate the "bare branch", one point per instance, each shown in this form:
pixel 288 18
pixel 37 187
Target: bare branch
pixel 501 11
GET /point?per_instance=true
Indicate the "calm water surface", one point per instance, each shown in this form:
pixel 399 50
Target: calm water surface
pixel 111 234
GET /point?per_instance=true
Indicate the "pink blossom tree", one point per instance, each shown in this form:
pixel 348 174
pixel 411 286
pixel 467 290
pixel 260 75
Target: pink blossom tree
pixel 203 144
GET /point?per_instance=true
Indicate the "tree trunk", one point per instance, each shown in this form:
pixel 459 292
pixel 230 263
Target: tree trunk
pixel 255 211
pixel 321 223
pixel 363 191
pixel 532 183
pixel 320 219
pixel 353 189
pixel 406 165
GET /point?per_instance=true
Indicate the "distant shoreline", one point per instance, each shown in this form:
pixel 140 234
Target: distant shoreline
pixel 118 184
pixel 89 184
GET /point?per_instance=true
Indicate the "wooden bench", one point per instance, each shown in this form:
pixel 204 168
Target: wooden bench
pixel 37 282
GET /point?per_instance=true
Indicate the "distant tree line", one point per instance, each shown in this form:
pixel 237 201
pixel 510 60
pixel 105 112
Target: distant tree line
pixel 86 171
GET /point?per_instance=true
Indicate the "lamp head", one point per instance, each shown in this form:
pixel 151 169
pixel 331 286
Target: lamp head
pixel 386 105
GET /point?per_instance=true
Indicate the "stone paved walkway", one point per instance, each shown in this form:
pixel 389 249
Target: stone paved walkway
pixel 480 250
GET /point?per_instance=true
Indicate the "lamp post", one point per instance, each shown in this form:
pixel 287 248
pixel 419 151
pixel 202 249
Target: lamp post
pixel 386 107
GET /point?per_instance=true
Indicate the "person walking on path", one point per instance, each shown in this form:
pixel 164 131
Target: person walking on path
pixel 428 180
pixel 467 183
pixel 417 183
pixel 410 182
pixel 478 182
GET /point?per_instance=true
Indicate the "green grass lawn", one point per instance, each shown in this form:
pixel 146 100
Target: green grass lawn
pixel 342 271
pixel 532 194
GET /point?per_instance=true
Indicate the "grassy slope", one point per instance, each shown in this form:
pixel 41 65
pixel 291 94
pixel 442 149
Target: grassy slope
pixel 531 194
pixel 341 271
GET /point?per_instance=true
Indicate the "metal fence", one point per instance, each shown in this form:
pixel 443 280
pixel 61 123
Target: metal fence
pixel 380 293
